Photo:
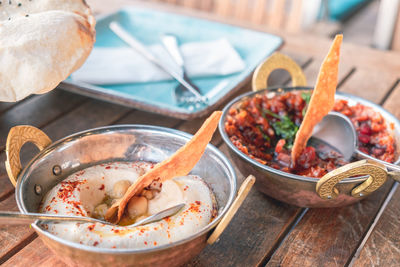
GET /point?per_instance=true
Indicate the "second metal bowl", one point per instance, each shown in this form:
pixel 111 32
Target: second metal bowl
pixel 291 188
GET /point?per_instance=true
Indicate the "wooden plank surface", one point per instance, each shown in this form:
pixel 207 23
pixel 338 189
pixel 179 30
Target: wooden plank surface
pixel 13 238
pixel 256 235
pixel 331 236
pixel 383 245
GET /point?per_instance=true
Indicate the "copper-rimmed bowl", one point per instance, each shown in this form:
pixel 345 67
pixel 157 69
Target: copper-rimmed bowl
pixel 115 143
pixel 291 188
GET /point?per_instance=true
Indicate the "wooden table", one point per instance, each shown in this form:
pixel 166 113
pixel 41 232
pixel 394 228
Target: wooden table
pixel 264 231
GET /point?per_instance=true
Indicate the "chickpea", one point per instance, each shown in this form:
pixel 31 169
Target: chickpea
pixel 100 211
pixel 147 194
pixel 155 185
pixel 137 206
pixel 120 188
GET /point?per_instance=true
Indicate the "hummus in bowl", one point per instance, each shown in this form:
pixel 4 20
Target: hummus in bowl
pixel 90 192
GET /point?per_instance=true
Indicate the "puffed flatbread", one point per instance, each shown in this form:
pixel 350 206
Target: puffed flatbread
pixel 41 43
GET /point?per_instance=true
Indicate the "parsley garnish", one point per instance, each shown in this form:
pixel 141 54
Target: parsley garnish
pixel 266 137
pixel 306 97
pixel 284 128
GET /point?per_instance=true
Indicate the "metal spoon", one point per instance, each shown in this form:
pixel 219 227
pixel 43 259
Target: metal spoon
pixel 181 94
pixel 28 218
pixel 338 131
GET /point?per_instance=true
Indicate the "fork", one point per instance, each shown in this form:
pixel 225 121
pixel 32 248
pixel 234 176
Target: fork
pixel 139 47
pixel 181 94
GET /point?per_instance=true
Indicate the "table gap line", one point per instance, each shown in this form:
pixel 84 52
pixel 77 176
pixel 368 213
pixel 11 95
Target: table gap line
pixel 388 93
pixel 303 66
pixel 6 195
pixel 345 78
pixel 354 256
pixel 18 247
pixel 17 103
pixel 123 116
pixel 283 235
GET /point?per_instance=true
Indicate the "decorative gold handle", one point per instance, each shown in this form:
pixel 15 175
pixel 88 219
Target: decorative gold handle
pixel 17 137
pixel 377 176
pixel 242 194
pixel 274 62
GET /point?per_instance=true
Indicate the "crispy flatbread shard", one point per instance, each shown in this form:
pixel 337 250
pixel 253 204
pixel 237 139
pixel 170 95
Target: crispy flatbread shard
pixel 179 164
pixel 322 99
pixel 41 43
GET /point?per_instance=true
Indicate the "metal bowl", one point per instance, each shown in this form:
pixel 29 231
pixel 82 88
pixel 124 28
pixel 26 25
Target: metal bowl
pixel 116 143
pixel 291 188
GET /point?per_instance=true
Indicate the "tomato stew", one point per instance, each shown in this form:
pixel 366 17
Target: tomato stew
pixel 264 128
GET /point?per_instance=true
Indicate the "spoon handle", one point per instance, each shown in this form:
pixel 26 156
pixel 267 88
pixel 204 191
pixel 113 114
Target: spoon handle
pixel 394 170
pixel 160 215
pixel 28 218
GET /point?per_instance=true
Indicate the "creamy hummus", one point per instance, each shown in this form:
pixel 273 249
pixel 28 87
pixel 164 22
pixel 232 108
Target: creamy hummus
pixel 83 191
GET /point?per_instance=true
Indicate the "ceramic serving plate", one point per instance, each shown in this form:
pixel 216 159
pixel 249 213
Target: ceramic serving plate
pixel 148 25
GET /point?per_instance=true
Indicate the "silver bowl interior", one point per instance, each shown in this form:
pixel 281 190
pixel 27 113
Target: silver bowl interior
pixel 390 119
pixel 120 143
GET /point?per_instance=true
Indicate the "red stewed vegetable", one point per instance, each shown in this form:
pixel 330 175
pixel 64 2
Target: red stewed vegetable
pixel 264 128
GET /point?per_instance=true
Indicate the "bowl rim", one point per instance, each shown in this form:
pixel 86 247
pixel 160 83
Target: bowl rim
pixel 232 179
pixel 283 174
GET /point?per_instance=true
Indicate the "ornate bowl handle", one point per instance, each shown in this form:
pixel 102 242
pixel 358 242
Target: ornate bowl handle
pixel 242 194
pixel 17 137
pixel 377 177
pixel 274 62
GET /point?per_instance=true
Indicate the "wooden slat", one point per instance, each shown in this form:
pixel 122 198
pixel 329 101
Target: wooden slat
pixel 327 237
pixel 371 84
pixel 277 14
pixel 35 253
pixel 142 117
pixel 258 14
pixel 311 72
pixel 206 5
pixel 190 3
pixel 396 35
pixel 222 7
pixel 383 246
pixel 12 238
pixel 241 9
pixel 294 19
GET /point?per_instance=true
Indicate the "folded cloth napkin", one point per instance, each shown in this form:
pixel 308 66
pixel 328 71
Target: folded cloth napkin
pixel 107 65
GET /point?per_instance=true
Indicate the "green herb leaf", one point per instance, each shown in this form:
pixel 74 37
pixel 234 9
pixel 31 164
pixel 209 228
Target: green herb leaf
pixel 265 136
pixel 306 97
pixel 284 128
pixel 270 113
